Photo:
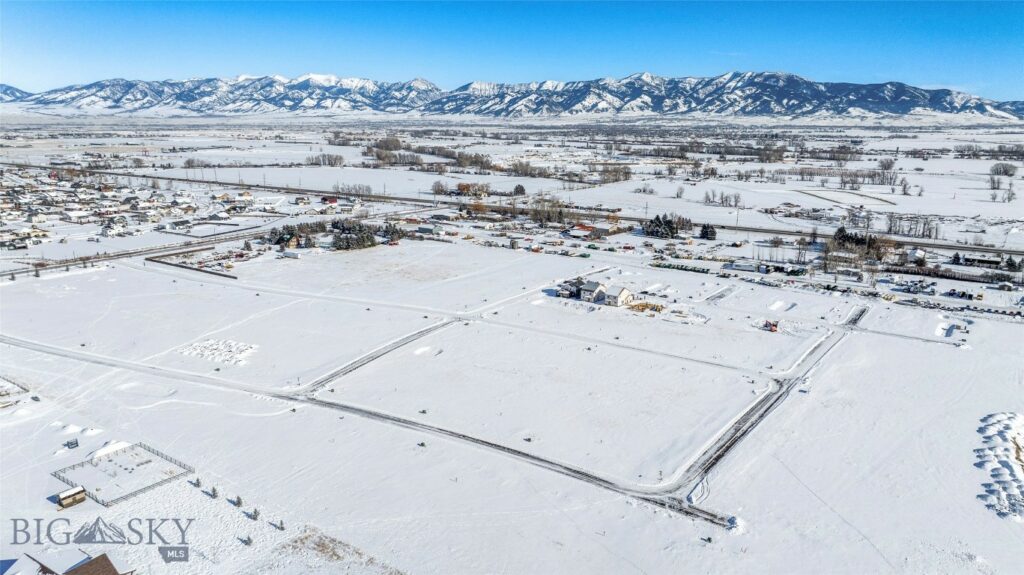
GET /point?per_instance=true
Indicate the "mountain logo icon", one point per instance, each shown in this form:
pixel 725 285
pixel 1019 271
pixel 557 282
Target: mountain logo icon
pixel 100 532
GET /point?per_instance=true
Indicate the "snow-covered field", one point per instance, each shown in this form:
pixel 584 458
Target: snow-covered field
pixel 434 406
pixel 633 416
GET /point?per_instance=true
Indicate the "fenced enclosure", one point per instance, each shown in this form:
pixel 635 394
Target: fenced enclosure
pixel 114 476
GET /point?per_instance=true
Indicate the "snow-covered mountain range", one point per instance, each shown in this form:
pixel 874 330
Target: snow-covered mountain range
pixel 12 94
pixel 732 94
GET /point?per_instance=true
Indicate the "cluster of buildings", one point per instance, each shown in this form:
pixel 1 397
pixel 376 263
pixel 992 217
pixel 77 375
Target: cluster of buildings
pixel 583 231
pixel 595 292
pixel 33 202
pixel 30 201
pixel 328 205
pixel 791 210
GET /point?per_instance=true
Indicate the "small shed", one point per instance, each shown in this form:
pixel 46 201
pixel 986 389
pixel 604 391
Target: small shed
pixel 70 497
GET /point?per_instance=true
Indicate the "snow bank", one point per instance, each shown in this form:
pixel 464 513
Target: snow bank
pixel 1003 458
pixel 108 448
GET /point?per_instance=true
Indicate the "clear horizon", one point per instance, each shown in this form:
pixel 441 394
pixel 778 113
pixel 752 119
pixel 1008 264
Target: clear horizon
pixel 971 47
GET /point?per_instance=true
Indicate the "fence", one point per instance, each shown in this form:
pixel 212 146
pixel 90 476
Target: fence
pixel 82 260
pixel 15 384
pixel 160 260
pixel 949 274
pixel 186 469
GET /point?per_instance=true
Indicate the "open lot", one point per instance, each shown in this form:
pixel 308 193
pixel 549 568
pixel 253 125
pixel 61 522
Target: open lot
pixel 901 444
pixel 134 326
pixel 631 415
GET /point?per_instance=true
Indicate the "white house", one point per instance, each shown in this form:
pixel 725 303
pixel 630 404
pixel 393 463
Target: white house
pixel 179 225
pixel 77 216
pixel 618 296
pixel 112 230
pixel 914 254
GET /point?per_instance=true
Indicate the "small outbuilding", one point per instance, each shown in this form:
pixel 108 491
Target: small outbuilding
pixel 70 497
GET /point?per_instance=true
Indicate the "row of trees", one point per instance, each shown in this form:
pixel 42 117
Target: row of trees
pixel 332 160
pixel 616 173
pixel 999 152
pixel 523 168
pixel 916 226
pixel 733 200
pixel 389 158
pixel 543 210
pixel 1008 195
pixel 352 189
pixel 462 159
pixel 441 188
pixel 840 154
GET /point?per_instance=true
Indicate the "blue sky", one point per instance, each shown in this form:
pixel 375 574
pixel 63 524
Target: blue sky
pixel 973 46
